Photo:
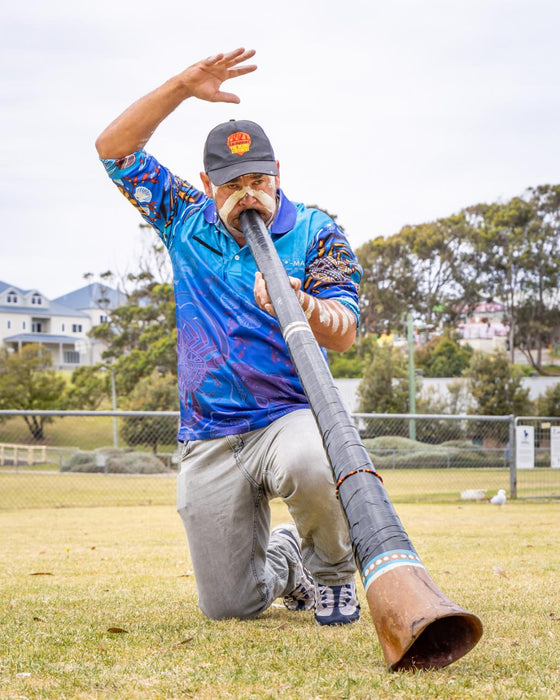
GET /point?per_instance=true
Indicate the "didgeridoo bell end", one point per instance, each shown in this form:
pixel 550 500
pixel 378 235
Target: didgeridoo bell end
pixel 417 625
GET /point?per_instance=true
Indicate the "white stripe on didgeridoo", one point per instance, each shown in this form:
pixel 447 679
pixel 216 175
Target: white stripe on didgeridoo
pixel 296 327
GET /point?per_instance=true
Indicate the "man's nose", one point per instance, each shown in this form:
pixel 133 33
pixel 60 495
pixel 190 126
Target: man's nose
pixel 248 198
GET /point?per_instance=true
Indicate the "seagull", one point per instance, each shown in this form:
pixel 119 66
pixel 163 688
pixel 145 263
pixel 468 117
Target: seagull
pixel 499 499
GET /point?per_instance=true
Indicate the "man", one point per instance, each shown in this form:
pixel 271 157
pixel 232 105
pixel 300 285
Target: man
pixel 246 430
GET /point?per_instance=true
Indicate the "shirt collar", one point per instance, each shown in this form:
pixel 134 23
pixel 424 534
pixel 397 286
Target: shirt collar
pixel 284 220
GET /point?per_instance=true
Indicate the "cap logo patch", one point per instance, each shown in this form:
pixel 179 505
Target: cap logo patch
pixel 239 143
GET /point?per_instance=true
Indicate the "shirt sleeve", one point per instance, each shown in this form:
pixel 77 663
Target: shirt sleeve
pixel 332 269
pixel 159 195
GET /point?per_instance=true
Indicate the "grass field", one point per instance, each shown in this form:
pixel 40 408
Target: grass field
pixel 72 577
pixel 37 488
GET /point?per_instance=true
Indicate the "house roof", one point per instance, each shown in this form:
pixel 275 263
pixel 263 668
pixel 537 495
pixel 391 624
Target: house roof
pixel 54 308
pixel 5 285
pixel 92 296
pixel 41 338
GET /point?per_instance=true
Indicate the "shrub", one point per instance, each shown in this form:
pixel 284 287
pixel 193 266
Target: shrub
pixel 110 460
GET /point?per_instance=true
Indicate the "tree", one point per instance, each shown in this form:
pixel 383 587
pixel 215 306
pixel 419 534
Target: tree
pixel 538 316
pixel 156 392
pixel 345 364
pixel 88 388
pixel 453 403
pixel 501 235
pixel 442 356
pixel 384 387
pixel 351 363
pixel 548 404
pixel 28 382
pixel 509 251
pixel 495 386
pixel 388 288
pixel 427 268
pixel 141 335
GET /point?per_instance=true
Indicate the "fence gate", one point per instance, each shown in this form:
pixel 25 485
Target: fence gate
pixel 537 456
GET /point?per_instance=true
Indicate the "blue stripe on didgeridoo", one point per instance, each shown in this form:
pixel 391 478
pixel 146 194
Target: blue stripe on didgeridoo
pixel 385 562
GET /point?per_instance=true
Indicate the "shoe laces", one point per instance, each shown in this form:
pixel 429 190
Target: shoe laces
pixel 330 596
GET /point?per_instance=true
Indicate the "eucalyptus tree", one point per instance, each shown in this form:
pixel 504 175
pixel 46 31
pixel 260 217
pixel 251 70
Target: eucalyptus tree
pixel 517 261
pixel 538 318
pixel 428 269
pixel 500 237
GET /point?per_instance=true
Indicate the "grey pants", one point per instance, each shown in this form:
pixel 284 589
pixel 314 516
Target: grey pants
pixel 223 492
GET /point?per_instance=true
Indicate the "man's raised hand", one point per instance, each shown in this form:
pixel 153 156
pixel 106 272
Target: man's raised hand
pixel 204 78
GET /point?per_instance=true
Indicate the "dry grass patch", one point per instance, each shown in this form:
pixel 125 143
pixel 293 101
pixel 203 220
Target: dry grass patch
pixel 71 578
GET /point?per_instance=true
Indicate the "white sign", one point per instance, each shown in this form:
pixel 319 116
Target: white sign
pixel 555 447
pixel 525 446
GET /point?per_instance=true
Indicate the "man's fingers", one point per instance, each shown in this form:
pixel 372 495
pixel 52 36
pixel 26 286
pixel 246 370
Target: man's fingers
pixel 261 294
pixel 214 59
pixel 233 58
pixel 224 66
pixel 295 283
pixel 239 55
pixel 226 97
pixel 242 70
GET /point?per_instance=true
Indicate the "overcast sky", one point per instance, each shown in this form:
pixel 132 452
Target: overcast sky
pixel 385 113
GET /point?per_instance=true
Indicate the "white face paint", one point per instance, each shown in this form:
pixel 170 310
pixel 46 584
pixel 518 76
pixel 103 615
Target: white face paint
pixel 268 202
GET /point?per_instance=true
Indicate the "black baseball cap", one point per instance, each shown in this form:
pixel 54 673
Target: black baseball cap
pixel 235 148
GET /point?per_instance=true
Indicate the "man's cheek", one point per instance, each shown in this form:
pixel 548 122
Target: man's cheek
pixel 227 207
pixel 268 202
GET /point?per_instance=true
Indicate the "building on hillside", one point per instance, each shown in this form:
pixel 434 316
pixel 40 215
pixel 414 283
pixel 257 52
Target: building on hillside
pixel 60 325
pixel 484 327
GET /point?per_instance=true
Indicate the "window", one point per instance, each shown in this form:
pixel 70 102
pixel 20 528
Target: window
pixel 103 318
pixel 11 298
pixel 71 357
pixel 24 325
pixel 37 327
pixel 63 326
pixel 36 299
pixel 76 328
pixel 9 324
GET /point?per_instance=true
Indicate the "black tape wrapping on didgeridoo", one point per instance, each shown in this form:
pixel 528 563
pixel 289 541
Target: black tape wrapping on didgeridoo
pixel 374 525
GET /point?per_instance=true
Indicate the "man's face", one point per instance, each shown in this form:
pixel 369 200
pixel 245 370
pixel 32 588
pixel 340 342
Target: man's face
pixel 253 191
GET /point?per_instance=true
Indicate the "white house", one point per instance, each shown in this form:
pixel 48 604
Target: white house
pixel 60 325
pixel 485 327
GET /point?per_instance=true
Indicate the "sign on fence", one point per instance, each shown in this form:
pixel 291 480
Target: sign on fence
pixel 525 446
pixel 555 447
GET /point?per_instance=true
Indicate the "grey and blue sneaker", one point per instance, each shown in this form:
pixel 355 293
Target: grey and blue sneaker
pixel 303 595
pixel 336 605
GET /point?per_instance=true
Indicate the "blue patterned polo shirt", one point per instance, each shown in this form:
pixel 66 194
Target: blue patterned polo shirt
pixel 235 373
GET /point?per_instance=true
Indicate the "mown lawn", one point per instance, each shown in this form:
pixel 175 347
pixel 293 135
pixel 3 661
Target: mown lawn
pixel 40 486
pixel 101 603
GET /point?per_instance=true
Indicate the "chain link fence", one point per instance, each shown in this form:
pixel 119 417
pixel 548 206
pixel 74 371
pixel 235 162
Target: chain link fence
pixel 538 453
pixel 97 458
pixel 87 458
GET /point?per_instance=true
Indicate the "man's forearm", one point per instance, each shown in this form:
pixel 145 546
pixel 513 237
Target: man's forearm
pixel 332 323
pixel 132 129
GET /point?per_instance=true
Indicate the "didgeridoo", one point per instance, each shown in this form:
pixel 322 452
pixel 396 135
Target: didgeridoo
pixel 417 625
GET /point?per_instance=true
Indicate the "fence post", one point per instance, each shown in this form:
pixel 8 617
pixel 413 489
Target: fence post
pixel 411 376
pixel 114 406
pixel 512 458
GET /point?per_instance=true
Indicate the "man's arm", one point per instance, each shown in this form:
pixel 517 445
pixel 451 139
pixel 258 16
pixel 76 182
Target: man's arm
pixel 332 323
pixel 133 128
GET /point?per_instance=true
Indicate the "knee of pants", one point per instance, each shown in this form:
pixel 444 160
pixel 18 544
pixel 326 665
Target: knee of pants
pixel 217 608
pixel 310 475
